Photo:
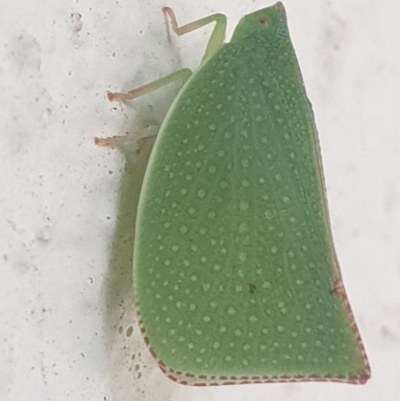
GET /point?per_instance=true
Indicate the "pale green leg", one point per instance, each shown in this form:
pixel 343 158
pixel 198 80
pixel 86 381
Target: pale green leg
pixel 130 141
pixel 218 34
pixel 181 75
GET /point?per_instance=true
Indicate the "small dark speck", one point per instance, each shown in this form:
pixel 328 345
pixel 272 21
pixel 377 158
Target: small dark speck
pixel 388 335
pixel 252 288
pixel 76 20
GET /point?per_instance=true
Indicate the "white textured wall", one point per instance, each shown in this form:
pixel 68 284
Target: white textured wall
pixel 68 328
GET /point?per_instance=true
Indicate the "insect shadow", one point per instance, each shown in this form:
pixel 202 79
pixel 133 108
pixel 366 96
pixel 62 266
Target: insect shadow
pixel 123 343
pixel 123 340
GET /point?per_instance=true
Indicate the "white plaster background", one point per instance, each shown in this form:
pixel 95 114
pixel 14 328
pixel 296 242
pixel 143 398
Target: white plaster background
pixel 68 329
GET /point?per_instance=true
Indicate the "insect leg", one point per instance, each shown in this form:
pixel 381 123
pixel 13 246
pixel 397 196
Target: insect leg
pixel 218 34
pixel 181 75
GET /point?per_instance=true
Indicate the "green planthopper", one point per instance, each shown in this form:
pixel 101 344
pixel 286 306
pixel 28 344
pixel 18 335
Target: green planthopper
pixel 235 271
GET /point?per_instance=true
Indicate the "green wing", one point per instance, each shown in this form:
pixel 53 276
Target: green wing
pixel 235 270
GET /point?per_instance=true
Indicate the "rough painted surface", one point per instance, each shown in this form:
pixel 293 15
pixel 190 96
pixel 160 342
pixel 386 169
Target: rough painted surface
pixel 236 273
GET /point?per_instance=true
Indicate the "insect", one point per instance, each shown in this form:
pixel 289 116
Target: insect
pixel 235 271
